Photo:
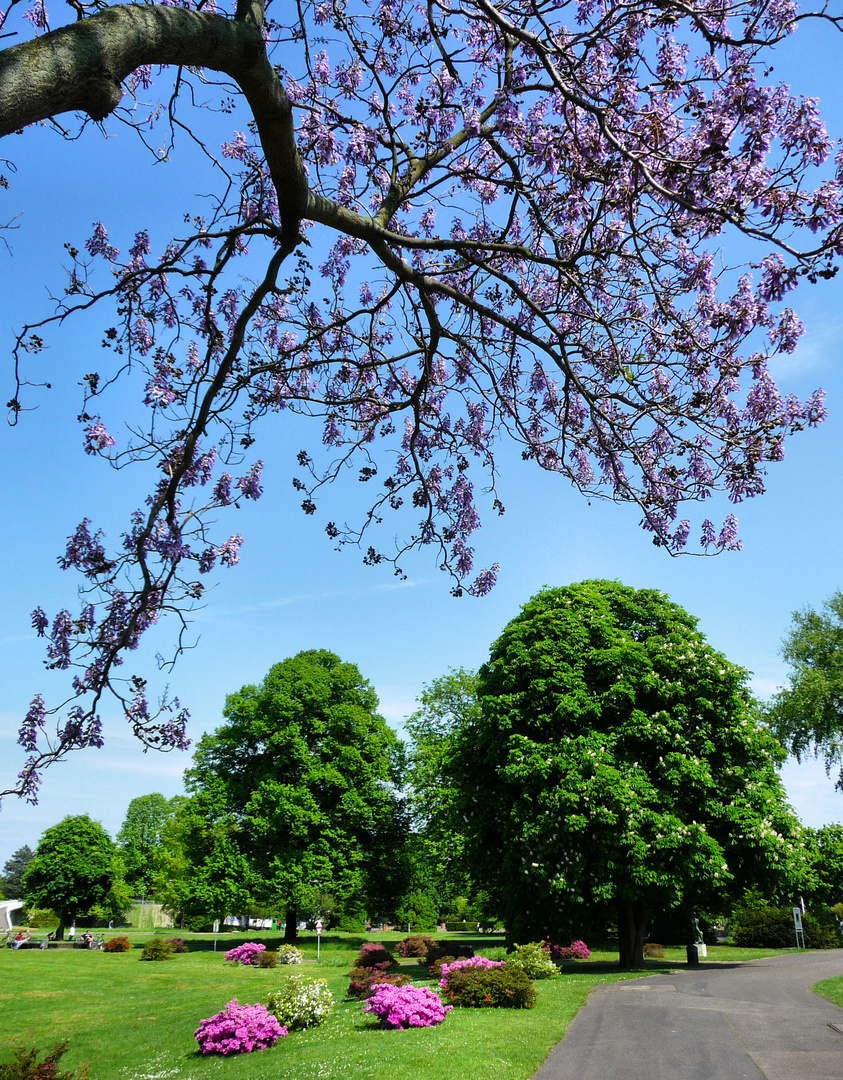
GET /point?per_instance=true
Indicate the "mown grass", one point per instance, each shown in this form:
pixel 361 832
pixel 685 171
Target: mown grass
pixel 831 989
pixel 134 1020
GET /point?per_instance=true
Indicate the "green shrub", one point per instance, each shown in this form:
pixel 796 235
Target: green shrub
pixel 26 1065
pixel 503 987
pixel 534 960
pixel 289 954
pixel 416 945
pixel 821 928
pixel 300 1003
pixel 157 948
pixel 40 917
pixel 772 928
pixel 267 959
pixel 351 924
pixel 117 944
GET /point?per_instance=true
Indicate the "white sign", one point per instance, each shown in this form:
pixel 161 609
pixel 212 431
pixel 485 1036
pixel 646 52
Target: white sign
pixel 797 918
pixel 318 927
pixel 216 926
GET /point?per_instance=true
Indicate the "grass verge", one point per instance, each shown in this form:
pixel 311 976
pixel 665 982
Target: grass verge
pixel 831 989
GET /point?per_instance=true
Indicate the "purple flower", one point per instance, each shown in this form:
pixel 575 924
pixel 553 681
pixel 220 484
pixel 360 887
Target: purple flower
pixel 97 438
pixel 239 1029
pixel 406 1006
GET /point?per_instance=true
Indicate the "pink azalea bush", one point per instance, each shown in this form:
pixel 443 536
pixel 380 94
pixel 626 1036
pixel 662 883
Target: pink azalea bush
pixel 577 950
pixel 239 1029
pixel 406 1006
pixel 473 962
pixel 247 953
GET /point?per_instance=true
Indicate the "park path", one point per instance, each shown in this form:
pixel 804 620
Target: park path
pixel 752 1021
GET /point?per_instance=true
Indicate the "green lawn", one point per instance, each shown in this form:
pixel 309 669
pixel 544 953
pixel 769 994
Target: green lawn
pixel 831 989
pixel 134 1020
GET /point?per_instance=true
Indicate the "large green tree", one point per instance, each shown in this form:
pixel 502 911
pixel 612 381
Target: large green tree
pixel 141 839
pixel 446 706
pixel 808 714
pixel 303 775
pixel 11 881
pixel 617 767
pixel 74 867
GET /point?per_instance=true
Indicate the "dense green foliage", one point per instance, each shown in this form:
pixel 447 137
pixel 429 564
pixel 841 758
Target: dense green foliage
pixel 446 706
pixel 825 851
pixel 74 867
pixel 808 715
pixel 617 768
pixel 296 794
pixel 772 928
pixel 157 948
pixel 416 913
pixel 141 840
pixel 501 987
pixel 11 880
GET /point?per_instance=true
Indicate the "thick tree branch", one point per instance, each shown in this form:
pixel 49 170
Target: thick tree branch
pixel 80 68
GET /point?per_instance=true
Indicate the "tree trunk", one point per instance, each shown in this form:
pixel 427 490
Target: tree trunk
pixel 632 931
pixel 291 926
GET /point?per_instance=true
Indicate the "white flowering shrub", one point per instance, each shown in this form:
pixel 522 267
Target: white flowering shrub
pixel 289 954
pixel 300 1003
pixel 534 959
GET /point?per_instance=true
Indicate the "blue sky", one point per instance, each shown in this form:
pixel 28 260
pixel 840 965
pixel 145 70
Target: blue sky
pixel 291 590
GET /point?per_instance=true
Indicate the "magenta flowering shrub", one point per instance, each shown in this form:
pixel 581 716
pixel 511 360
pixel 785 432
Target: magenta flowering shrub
pixel 238 1029
pixel 406 1006
pixel 577 950
pixel 468 962
pixel 247 953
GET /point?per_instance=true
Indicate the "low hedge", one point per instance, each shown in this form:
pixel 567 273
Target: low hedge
pixel 772 928
pixel 501 987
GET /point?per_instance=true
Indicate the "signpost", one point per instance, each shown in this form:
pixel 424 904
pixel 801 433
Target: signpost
pixel 318 936
pixel 797 926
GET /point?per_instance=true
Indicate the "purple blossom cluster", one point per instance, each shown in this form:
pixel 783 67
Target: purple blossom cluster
pixel 238 1029
pixel 247 953
pixel 406 1006
pixel 577 950
pixel 515 214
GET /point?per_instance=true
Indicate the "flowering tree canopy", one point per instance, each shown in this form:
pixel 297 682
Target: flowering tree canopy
pixel 514 210
pixel 617 770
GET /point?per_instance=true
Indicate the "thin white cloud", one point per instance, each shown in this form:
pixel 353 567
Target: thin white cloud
pixel 818 350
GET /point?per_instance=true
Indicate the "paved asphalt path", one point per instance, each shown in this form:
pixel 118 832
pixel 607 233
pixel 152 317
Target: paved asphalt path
pixel 752 1021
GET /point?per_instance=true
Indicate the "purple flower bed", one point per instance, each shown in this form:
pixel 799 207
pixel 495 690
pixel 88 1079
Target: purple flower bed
pixel 238 1029
pixel 247 953
pixel 577 950
pixel 406 1006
